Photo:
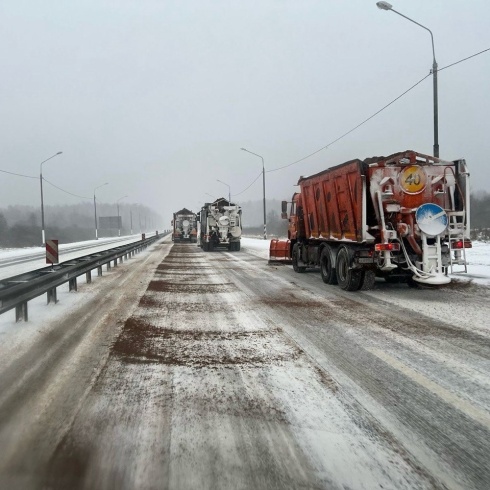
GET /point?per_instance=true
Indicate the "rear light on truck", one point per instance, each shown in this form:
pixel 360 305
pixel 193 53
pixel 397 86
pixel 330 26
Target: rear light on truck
pixel 458 244
pixel 390 247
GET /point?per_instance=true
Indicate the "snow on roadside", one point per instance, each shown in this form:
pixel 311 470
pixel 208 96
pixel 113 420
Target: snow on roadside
pixel 17 337
pixel 478 264
pixel 67 251
pixel 255 246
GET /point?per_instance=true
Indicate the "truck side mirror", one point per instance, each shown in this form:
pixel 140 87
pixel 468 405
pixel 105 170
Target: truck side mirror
pixel 284 206
pixel 284 215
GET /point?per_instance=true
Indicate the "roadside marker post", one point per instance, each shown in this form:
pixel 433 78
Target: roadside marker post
pixel 52 256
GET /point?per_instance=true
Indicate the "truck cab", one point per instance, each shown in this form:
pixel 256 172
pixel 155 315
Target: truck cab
pixel 296 226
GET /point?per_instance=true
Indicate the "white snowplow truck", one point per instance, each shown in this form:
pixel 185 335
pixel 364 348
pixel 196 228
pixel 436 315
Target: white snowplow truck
pixel 184 226
pixel 219 224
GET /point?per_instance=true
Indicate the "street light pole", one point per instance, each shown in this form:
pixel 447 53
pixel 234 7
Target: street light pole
pixel 118 220
pixel 95 210
pixel 43 236
pixel 229 190
pixel 388 6
pixel 263 188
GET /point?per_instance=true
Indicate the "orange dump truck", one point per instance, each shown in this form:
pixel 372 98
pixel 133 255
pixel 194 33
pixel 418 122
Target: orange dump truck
pixel 404 217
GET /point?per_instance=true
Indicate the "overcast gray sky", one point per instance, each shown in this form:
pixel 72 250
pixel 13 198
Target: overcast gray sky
pixel 157 97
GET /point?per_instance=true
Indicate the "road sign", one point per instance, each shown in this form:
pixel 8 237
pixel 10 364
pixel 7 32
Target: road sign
pixel 52 252
pixel 110 222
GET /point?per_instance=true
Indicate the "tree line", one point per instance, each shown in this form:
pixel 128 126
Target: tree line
pixel 20 226
pixel 480 215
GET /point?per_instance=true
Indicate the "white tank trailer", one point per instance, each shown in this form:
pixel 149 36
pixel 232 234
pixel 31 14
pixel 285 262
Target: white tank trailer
pixel 219 224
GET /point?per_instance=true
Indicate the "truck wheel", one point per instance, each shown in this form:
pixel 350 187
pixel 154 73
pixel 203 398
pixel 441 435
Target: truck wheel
pixel 327 270
pixel 205 246
pixel 237 246
pixel 295 258
pixel 368 278
pixel 349 279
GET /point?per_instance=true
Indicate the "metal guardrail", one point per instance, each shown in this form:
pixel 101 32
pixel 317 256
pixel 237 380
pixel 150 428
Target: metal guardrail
pixel 9 261
pixel 16 291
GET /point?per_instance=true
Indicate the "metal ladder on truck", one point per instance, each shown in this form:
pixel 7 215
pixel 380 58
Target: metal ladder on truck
pixel 457 235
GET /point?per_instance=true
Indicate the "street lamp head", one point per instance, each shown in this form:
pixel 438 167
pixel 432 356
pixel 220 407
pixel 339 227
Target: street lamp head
pixel 244 149
pixel 101 185
pixel 384 5
pixel 59 153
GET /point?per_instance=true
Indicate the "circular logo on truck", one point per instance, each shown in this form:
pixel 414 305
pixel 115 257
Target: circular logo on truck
pixel 413 179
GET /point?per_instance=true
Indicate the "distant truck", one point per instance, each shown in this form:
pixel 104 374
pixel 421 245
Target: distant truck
pixel 219 224
pixel 405 217
pixel 184 226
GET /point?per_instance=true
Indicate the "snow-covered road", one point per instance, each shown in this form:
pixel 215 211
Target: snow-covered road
pixel 185 369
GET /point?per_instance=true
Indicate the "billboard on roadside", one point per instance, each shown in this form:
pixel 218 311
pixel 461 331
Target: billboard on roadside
pixel 110 222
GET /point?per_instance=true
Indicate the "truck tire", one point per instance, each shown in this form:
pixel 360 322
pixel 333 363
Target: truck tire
pixel 205 246
pixel 368 278
pixel 295 258
pixel 348 279
pixel 327 271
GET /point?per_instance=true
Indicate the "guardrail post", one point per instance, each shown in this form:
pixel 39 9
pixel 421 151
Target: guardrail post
pixel 21 312
pixel 52 295
pixel 87 265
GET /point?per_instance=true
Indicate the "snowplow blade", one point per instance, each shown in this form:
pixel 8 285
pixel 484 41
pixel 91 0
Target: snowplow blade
pixel 279 251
